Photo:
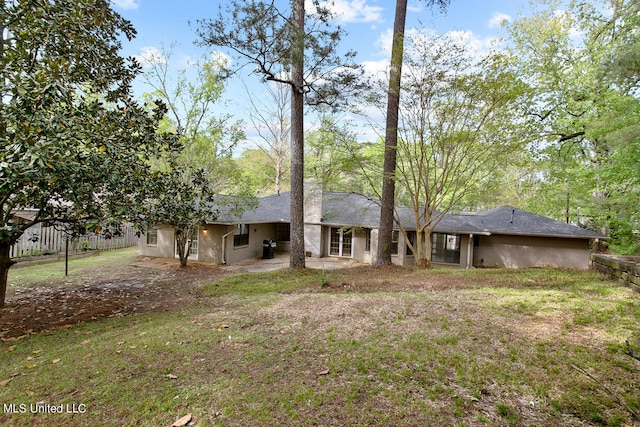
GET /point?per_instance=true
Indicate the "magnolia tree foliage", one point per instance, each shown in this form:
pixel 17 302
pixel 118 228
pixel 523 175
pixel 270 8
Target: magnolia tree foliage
pixel 75 148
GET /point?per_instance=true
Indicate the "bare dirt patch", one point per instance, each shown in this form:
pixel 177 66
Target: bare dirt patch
pixel 146 285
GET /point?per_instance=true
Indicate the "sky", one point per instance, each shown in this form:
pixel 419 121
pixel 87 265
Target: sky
pixel 368 24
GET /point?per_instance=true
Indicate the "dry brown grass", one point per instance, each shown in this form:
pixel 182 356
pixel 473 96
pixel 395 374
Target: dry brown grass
pixel 362 347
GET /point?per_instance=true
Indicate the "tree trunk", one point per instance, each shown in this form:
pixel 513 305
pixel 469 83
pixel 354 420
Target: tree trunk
pixel 278 174
pixel 383 256
pixel 297 255
pixel 427 247
pixel 181 245
pixel 5 264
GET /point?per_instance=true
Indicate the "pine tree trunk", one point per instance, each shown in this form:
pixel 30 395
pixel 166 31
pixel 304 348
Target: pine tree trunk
pixel 297 254
pixel 5 264
pixel 383 256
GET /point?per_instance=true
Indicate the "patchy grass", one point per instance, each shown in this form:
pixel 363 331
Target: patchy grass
pixel 280 281
pixel 53 272
pixel 369 346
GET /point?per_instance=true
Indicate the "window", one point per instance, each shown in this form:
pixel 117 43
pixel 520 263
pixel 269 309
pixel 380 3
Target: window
pixel 241 238
pixel 445 248
pixel 367 240
pixel 152 236
pixel 394 242
pixel 340 244
pixel 283 232
pixel 193 237
pixel 411 237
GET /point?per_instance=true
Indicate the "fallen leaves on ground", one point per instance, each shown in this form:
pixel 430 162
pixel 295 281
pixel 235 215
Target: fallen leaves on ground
pixel 153 285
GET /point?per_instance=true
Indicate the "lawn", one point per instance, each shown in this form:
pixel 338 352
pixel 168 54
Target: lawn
pixel 355 347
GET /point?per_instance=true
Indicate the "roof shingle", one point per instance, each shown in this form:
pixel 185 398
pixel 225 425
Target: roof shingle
pixel 357 210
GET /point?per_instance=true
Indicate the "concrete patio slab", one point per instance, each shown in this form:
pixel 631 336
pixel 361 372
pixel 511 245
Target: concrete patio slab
pixel 281 260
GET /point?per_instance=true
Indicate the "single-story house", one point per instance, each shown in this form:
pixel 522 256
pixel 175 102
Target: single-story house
pixel 346 225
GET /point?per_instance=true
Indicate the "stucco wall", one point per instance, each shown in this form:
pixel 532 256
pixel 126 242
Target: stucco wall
pixel 313 241
pixel 403 257
pixel 359 244
pixel 165 247
pixel 521 252
pixel 257 233
pixel 210 243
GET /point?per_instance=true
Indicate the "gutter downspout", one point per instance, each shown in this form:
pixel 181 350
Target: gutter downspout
pixel 469 243
pixel 224 245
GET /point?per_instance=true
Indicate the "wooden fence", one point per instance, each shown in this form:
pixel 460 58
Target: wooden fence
pixel 626 269
pixel 39 240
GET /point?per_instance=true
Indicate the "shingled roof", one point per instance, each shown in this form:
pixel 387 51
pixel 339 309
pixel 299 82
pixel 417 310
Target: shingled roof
pixel 357 210
pixel 513 221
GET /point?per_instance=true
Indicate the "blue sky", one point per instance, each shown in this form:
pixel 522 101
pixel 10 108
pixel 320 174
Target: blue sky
pixel 367 22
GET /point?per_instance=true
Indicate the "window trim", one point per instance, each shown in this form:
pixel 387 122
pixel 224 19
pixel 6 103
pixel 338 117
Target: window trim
pixel 344 244
pixel 241 236
pixel 367 240
pixel 283 232
pixel 395 237
pixel 152 231
pixel 444 253
pixel 411 238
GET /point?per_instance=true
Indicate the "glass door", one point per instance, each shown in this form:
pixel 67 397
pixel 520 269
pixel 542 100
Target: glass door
pixel 341 242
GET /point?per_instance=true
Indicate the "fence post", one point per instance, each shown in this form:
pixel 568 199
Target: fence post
pixel 66 255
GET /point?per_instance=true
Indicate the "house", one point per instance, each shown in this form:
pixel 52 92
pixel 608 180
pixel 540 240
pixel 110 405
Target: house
pixel 345 225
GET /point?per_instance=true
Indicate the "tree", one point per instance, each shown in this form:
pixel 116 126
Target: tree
pixel 334 156
pixel 258 172
pixel 456 129
pixel 296 49
pixel 579 62
pixel 75 148
pixel 272 123
pixel 196 180
pixel 383 256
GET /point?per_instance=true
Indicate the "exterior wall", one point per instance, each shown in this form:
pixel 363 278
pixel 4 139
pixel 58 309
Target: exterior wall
pixel 525 251
pixel 166 246
pixel 257 233
pixel 210 243
pixel 313 231
pixel 313 240
pixel 404 257
pixel 408 259
pixel 370 257
pixel 359 244
pixel 466 253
